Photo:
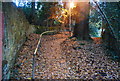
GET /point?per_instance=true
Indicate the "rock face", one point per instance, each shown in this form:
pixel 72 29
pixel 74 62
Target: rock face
pixel 16 29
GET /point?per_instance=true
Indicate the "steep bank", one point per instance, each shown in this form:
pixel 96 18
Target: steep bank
pixel 16 28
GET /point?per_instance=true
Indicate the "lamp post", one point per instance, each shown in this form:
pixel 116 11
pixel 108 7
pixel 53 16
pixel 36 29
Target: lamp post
pixel 71 7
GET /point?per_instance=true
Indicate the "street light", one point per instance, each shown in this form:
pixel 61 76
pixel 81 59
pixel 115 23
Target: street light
pixel 72 5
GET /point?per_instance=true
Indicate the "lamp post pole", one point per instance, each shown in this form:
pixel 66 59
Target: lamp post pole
pixel 70 18
pixel 70 29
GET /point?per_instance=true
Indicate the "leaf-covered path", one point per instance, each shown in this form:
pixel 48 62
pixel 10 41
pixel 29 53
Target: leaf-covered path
pixel 54 65
pixel 62 58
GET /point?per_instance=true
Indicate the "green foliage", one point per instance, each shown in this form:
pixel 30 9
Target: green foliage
pixel 112 11
pixel 95 23
pixel 59 14
pixel 82 43
pixel 41 14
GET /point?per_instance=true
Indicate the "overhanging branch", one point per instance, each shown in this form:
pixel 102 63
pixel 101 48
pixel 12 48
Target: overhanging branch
pixel 105 17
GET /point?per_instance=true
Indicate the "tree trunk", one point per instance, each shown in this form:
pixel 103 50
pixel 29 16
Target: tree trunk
pixel 33 7
pixel 33 12
pixel 81 29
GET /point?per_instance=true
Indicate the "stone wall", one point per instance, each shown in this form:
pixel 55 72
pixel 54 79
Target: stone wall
pixel 16 29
